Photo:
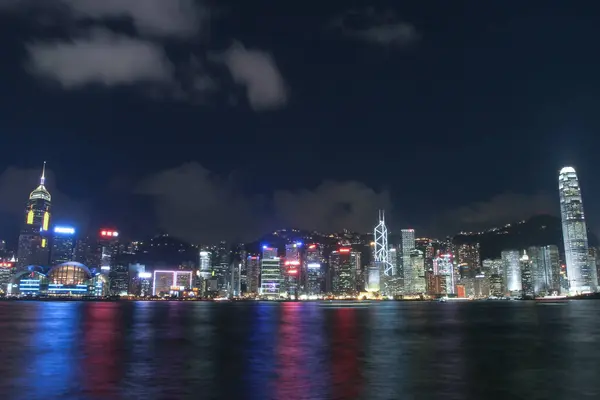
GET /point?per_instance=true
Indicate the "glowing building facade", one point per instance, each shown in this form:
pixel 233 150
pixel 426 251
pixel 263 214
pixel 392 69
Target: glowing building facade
pixel 545 269
pixel 512 271
pixel 270 273
pixel 344 264
pixel 171 283
pixel 313 270
pixel 407 246
pixel 63 244
pixel 252 274
pixel 34 243
pixel 443 267
pixel 582 276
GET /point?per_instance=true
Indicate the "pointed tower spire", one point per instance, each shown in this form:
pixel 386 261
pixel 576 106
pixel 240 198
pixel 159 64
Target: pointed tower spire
pixel 43 178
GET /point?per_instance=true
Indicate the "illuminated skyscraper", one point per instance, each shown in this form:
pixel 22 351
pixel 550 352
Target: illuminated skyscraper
pixel 468 259
pixel 314 273
pixel 417 268
pixel 253 274
pixel 545 269
pixel 204 265
pixel 63 244
pixel 526 266
pixel 381 251
pixel 443 267
pixel 407 246
pixel 344 263
pixel 512 271
pixel 33 241
pixel 581 275
pixel 270 273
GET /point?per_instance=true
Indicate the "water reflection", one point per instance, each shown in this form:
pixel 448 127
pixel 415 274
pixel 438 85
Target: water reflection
pixel 102 350
pixel 300 358
pixel 346 374
pixel 49 370
pixel 164 350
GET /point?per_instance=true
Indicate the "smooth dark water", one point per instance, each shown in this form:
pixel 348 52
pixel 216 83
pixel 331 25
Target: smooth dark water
pixel 391 350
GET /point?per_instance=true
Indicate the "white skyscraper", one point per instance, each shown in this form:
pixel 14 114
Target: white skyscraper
pixel 512 271
pixel 407 246
pixel 580 274
pixel 381 251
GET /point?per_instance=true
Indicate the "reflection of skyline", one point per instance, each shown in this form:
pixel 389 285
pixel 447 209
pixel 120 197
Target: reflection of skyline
pixel 300 355
pixel 103 354
pixel 129 350
pixel 260 351
pixel 346 376
pixel 387 366
pixel 53 372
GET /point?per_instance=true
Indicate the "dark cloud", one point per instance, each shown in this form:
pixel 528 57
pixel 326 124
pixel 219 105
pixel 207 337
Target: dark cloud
pixel 500 209
pixel 332 206
pixel 172 18
pixel 375 27
pixel 98 56
pixel 15 186
pixel 197 205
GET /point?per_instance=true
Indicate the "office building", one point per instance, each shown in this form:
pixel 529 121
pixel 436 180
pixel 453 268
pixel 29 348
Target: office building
pixel 344 264
pixel 270 273
pixel 417 268
pixel 512 271
pixel 443 267
pixel 314 270
pixel 469 260
pixel 33 247
pixel 582 277
pixel 406 247
pixel 525 265
pixel 63 244
pixel 252 274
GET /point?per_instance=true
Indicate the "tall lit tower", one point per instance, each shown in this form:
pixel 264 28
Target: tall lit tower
pixel 33 241
pixel 406 248
pixel 580 274
pixel 381 252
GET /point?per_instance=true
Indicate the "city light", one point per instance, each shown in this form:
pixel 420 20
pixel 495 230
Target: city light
pixel 312 246
pixel 145 275
pixel 106 233
pixel 67 230
pixel 292 263
pixel 292 271
pixel 344 250
pixel 314 266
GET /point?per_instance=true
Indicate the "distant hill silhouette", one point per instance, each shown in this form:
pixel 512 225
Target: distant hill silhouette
pixel 540 230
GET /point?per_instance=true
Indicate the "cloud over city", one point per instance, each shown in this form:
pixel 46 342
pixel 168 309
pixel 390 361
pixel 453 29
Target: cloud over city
pixel 381 28
pixel 95 53
pixel 195 204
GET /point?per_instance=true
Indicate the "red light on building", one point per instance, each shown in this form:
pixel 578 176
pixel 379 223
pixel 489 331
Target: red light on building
pixel 293 271
pixel 461 291
pixel 105 233
pixel 292 263
pixel 6 265
pixel 344 250
pixel 312 246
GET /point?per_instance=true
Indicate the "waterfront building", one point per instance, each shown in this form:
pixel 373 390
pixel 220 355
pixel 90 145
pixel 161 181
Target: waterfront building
pixel 33 247
pixel 512 272
pixel 581 275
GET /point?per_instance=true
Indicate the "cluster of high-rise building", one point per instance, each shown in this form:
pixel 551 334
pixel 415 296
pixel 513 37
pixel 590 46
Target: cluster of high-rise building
pixel 54 260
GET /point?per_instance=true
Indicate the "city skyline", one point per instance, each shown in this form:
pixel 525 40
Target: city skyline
pixel 440 129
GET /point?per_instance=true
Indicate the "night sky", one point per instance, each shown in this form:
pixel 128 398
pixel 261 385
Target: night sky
pixel 226 120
